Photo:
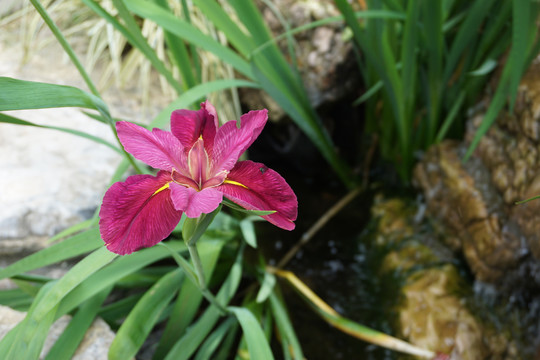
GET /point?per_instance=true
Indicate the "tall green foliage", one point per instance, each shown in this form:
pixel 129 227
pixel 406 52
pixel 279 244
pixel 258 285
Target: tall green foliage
pixel 427 69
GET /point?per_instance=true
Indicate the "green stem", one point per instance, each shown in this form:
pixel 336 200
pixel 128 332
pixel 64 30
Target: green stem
pixel 197 263
pixel 193 276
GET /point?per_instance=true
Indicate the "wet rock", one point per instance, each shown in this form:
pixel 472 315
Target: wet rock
pixel 95 344
pixel 475 201
pixel 434 311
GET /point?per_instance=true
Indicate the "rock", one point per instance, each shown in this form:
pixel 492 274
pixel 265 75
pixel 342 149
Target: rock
pixel 434 311
pixel 50 179
pixel 471 225
pixel 475 201
pixel 95 344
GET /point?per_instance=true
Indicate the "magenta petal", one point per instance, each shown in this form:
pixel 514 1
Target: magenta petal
pixel 189 125
pixel 263 189
pixel 159 149
pixel 136 214
pixel 231 141
pixel 194 203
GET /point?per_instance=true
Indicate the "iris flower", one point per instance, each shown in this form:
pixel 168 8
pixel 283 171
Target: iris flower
pixel 198 166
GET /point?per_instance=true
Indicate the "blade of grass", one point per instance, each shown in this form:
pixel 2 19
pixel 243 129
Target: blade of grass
pixel 6 119
pixel 141 43
pixel 187 344
pixel 83 225
pixel 285 327
pixel 194 94
pixel 26 339
pixel 75 276
pixel 350 327
pixel 223 21
pixel 267 287
pixel 76 245
pixel 256 340
pixel 64 348
pixel 189 33
pixel 112 273
pixel 433 23
pixel 179 54
pixel 21 95
pixel 144 316
pixel 67 48
pixel 523 32
pixel 368 14
pixel 408 55
pixel 16 299
pixel 214 340
pixel 450 118
pixel 188 301
pixel 474 16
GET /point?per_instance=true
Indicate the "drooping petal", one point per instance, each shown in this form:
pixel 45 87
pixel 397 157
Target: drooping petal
pixel 231 141
pixel 255 187
pixel 137 213
pixel 159 149
pixel 193 202
pixel 189 125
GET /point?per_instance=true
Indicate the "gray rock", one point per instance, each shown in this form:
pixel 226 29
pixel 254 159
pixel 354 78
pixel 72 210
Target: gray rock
pixel 49 180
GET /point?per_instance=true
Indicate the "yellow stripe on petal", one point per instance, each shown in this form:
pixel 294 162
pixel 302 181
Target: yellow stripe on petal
pixel 164 187
pixel 232 182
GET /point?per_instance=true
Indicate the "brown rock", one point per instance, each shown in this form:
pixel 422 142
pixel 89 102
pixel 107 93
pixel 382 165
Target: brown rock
pixel 454 198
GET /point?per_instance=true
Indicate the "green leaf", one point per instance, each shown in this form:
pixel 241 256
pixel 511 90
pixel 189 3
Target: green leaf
pixel 16 299
pixel 118 310
pixel 71 279
pixel 22 95
pixel 189 33
pixel 187 344
pixel 248 232
pixel 194 94
pixel 474 16
pixel 26 339
pixel 224 22
pixel 179 54
pixel 488 66
pixel 12 120
pixel 285 327
pixel 523 32
pixel 258 346
pixel 83 225
pixel 64 348
pixel 212 342
pixel 67 48
pixel 115 271
pixel 527 200
pixel 144 316
pixel 189 300
pixel 236 207
pixel 76 245
pixel 267 286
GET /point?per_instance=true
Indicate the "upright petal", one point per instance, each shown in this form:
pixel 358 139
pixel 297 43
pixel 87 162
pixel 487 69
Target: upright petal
pixel 193 202
pixel 255 187
pixel 231 141
pixel 159 149
pixel 137 213
pixel 189 125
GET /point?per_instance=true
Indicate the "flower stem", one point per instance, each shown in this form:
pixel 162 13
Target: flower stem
pixel 197 263
pixel 194 277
